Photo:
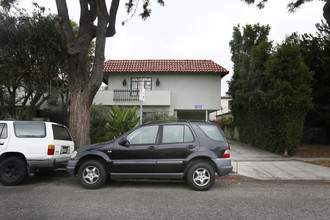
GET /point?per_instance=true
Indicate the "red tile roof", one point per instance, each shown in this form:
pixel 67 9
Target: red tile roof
pixel 196 66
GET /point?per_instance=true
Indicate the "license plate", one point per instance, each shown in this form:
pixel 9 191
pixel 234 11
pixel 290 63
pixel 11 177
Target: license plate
pixel 65 150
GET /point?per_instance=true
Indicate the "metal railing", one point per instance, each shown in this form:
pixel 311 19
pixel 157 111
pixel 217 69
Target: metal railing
pixel 125 95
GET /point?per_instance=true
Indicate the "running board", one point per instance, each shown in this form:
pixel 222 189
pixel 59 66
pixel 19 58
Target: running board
pixel 147 175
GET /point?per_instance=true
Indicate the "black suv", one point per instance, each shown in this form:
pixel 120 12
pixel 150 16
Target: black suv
pixel 157 150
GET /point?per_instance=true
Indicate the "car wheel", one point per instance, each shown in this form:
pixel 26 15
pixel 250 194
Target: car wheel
pixel 92 174
pixel 201 176
pixel 12 171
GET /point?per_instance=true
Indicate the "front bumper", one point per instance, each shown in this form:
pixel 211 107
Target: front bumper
pixel 224 165
pixel 71 167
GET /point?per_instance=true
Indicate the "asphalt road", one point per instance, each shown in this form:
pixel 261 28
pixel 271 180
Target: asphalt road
pixel 61 197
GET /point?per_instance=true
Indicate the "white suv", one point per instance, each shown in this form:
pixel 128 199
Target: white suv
pixel 27 145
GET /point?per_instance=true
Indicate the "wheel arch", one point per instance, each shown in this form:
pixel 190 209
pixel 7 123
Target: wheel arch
pixel 12 154
pixel 99 157
pixel 201 158
pixel 5 155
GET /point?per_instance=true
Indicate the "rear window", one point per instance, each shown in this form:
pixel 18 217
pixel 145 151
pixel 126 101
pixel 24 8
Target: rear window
pixel 213 132
pixel 29 129
pixel 61 133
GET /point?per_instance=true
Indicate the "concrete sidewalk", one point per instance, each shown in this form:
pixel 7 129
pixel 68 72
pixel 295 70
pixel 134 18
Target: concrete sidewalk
pixel 259 164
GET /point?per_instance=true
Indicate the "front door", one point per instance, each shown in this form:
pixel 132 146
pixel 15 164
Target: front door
pixel 138 155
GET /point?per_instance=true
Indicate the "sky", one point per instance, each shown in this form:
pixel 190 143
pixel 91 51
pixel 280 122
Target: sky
pixel 195 29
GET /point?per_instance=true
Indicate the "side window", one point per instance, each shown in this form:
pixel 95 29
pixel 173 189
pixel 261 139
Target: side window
pixel 3 131
pixel 61 133
pixel 29 129
pixel 212 131
pixel 188 136
pixel 177 134
pixel 144 135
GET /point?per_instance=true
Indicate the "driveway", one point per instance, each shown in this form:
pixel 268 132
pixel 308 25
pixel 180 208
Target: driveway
pixel 259 164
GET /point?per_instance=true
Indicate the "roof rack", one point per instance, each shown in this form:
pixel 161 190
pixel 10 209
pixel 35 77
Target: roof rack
pixel 165 121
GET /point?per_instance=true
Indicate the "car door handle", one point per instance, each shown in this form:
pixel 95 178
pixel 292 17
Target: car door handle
pixel 191 147
pixel 2 143
pixel 151 148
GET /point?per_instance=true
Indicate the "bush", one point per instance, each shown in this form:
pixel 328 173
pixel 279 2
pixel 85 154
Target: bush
pixel 121 120
pixel 98 124
pixel 159 116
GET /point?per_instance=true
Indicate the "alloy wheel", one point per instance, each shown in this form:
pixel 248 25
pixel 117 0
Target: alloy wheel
pixel 201 177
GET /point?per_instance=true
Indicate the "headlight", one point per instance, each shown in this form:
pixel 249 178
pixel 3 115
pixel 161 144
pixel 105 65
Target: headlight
pixel 74 154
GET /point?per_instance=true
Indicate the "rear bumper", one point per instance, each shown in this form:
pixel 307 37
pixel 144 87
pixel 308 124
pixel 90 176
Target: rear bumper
pixel 224 165
pixel 48 163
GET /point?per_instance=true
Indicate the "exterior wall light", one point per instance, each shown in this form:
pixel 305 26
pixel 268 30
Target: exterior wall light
pixel 157 82
pixel 124 82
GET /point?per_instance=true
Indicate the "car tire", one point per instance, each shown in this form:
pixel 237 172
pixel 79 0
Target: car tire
pixel 12 171
pixel 92 174
pixel 201 176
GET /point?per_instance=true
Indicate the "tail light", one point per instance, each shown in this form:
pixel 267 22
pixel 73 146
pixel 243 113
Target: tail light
pixel 51 150
pixel 226 154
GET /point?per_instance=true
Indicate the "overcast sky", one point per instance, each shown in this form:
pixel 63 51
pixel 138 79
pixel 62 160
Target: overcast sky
pixel 195 29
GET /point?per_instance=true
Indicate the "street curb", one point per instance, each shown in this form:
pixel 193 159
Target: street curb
pixel 230 176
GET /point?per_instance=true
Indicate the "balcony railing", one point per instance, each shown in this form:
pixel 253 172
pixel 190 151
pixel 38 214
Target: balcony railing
pixel 125 95
pixel 128 98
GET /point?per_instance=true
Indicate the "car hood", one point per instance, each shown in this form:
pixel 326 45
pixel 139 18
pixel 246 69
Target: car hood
pixel 95 146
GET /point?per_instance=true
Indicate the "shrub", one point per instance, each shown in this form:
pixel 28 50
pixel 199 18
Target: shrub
pixel 108 123
pixel 121 120
pixel 159 116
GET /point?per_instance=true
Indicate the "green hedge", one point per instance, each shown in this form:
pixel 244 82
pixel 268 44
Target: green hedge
pixel 271 90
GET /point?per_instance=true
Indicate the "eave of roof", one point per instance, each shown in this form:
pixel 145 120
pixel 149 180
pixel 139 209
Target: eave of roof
pixel 193 66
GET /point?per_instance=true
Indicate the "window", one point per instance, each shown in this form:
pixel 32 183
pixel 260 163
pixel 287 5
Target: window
pixel 177 134
pixel 141 82
pixel 30 129
pixel 61 133
pixel 188 136
pixel 212 131
pixel 3 131
pixel 143 135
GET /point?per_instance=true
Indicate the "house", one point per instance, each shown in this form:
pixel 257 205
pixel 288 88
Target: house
pixel 187 89
pixel 225 110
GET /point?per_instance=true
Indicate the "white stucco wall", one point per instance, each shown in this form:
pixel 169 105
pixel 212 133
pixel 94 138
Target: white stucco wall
pixel 185 89
pixel 225 107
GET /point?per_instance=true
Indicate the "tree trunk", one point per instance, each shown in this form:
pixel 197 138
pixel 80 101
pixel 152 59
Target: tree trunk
pixel 79 117
pixel 83 88
pixel 326 12
pixel 83 82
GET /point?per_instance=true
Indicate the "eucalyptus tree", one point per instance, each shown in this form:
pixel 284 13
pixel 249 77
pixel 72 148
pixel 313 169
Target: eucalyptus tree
pixel 97 21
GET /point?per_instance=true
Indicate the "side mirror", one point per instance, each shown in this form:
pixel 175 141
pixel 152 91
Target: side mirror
pixel 123 142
